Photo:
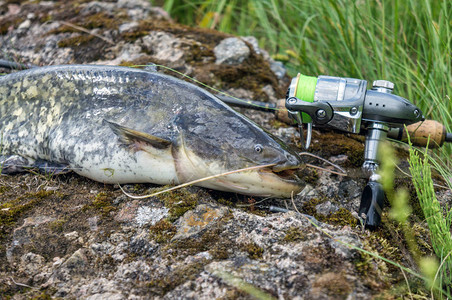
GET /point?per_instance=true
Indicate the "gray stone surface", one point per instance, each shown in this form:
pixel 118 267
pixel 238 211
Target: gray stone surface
pixel 231 51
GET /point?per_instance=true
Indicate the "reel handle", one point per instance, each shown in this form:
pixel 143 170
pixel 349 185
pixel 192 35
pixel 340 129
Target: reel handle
pixel 419 133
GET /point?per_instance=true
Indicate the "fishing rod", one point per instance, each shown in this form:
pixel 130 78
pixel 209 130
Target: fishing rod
pixel 420 133
pixel 14 65
pixel 345 104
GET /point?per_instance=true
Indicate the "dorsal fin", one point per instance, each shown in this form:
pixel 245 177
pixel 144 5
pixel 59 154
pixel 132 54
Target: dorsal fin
pixel 129 136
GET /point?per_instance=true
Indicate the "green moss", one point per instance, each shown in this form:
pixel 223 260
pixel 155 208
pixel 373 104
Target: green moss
pixel 100 20
pixel 57 225
pixel 254 251
pixel 4 189
pixel 134 35
pixel 178 202
pixel 63 29
pixel 12 211
pixel 226 202
pixel 295 234
pixel 181 274
pixel 198 53
pixel 333 284
pixel 332 144
pixel 103 204
pixel 45 18
pixel 341 217
pixel 309 207
pixel 310 175
pixel 375 271
pixel 42 296
pixel 140 61
pixel 275 123
pixel 8 22
pixel 143 29
pixel 75 41
pixel 163 231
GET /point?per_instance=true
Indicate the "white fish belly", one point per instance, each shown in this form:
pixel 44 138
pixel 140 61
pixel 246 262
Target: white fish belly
pixel 126 167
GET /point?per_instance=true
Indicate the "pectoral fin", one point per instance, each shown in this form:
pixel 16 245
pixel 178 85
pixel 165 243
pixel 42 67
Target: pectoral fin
pixel 135 138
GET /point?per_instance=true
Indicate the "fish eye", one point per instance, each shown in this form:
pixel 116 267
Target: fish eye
pixel 258 148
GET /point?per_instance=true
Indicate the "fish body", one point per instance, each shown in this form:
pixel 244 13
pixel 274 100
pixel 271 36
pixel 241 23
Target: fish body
pixel 124 125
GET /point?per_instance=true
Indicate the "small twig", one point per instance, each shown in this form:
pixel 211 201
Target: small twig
pixel 322 159
pixel 293 203
pixel 285 203
pixel 87 31
pixel 247 205
pixel 22 284
pixel 326 170
pixel 407 283
pixel 195 181
pixel 409 175
pixel 437 272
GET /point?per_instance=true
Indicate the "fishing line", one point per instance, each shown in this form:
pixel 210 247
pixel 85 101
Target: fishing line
pixel 223 96
pixel 244 103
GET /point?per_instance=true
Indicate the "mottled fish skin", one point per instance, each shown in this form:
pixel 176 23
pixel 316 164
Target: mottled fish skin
pixel 61 114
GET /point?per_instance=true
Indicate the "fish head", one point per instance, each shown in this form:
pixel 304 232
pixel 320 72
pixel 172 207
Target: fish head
pixel 231 143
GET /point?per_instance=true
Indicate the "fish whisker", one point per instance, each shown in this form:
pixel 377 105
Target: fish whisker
pixel 195 181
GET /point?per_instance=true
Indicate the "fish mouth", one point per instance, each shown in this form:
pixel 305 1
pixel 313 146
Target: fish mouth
pixel 283 173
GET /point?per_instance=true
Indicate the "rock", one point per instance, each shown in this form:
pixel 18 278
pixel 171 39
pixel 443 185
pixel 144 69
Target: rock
pixel 270 92
pixel 136 9
pixel 137 214
pixel 339 159
pixel 150 215
pixel 326 208
pixel 142 245
pixel 24 25
pixel 77 262
pixel 105 296
pixel 100 288
pixel 24 234
pixel 97 7
pixel 31 263
pixel 231 51
pixel 72 236
pixel 13 9
pixel 134 4
pixel 134 271
pixel 308 192
pixel 128 27
pixel 278 68
pixel 163 46
pixel 92 222
pixel 196 220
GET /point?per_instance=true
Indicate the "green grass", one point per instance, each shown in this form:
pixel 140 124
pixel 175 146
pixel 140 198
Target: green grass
pixel 407 42
pixel 438 219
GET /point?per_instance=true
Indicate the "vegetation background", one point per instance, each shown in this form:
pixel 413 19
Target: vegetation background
pixel 408 42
